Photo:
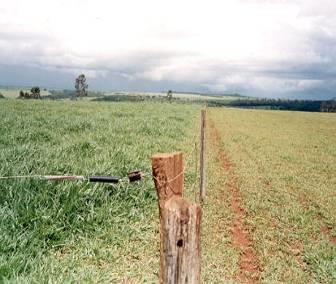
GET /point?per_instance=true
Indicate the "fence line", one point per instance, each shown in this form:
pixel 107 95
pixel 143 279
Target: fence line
pixel 180 222
pixel 202 156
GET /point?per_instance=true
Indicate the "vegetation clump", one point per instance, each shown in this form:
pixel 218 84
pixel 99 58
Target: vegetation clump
pixel 35 93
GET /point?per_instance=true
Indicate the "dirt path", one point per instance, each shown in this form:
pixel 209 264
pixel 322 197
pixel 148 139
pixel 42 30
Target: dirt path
pixel 249 271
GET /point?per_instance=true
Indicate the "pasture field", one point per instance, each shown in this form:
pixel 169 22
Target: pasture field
pixel 188 96
pixel 269 215
pixel 271 190
pixel 76 231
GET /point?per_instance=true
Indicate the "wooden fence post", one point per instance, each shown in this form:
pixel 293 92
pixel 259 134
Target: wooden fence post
pixel 180 222
pixel 202 155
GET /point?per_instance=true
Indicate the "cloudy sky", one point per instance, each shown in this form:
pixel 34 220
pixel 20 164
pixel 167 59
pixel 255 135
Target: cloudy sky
pixel 275 48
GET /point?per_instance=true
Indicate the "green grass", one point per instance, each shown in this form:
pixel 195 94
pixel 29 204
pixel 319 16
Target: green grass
pixel 285 165
pixel 74 231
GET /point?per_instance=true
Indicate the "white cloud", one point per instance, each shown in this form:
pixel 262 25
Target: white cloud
pixel 218 44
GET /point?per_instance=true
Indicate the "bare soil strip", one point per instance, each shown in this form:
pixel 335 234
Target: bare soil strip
pixel 249 271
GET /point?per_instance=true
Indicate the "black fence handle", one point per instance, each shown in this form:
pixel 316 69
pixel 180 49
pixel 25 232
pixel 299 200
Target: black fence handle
pixel 106 179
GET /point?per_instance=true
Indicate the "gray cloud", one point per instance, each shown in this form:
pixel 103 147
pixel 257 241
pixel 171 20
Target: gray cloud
pixel 296 58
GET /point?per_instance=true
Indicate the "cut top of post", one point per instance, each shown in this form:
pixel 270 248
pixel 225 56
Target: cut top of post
pixel 168 176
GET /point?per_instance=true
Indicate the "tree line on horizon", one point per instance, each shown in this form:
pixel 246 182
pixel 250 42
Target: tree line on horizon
pixel 265 103
pixel 280 104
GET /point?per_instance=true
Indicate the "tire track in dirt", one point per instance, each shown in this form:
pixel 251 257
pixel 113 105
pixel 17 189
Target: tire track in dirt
pixel 249 271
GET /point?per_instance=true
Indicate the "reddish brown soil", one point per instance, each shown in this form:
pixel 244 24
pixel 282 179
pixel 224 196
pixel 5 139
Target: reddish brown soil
pixel 327 231
pixel 249 271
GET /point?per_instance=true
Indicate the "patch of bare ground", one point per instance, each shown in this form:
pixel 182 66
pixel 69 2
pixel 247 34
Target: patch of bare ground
pixel 249 270
pixel 327 231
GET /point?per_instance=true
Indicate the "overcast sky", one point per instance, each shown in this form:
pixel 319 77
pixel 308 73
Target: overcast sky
pixel 275 48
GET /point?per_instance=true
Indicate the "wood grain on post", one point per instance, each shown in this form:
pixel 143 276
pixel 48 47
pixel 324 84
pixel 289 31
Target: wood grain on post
pixel 168 176
pixel 179 223
pixel 202 156
pixel 181 243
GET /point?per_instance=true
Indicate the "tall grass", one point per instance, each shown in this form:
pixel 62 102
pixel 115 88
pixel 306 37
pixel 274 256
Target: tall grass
pixel 284 167
pixel 76 231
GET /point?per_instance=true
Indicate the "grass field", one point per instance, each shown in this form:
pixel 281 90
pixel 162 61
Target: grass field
pixel 275 174
pixel 78 231
pixel 269 215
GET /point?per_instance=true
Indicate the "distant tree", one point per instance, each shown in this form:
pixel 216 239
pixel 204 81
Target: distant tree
pixel 81 86
pixel 2 96
pixel 170 96
pixel 35 93
pixel 21 94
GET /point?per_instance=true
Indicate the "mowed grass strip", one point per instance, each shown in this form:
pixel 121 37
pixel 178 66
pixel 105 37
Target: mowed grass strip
pixel 76 231
pixel 285 163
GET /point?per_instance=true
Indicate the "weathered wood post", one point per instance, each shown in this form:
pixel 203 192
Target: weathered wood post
pixel 180 222
pixel 202 155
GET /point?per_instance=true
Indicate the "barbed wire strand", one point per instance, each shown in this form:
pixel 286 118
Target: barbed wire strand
pixel 196 173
